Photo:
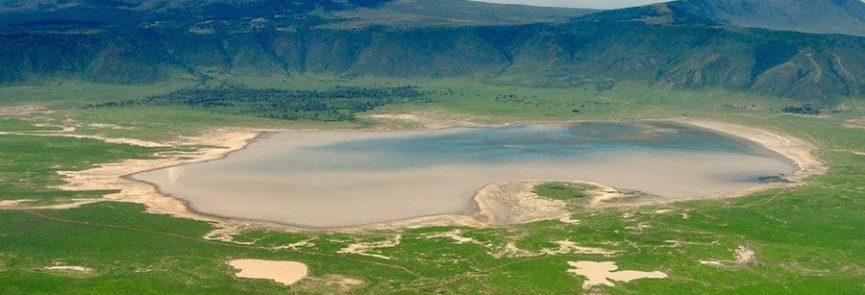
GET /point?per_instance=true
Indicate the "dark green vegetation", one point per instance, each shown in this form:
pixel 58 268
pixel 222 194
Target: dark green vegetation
pixel 803 110
pixel 563 191
pixel 773 179
pixel 682 48
pixel 337 104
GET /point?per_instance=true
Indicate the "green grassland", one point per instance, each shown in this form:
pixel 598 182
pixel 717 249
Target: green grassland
pixel 563 191
pixel 28 164
pixel 808 239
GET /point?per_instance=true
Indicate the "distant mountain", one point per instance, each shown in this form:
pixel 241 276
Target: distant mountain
pixel 661 44
pixel 456 12
pixel 343 12
pixel 811 16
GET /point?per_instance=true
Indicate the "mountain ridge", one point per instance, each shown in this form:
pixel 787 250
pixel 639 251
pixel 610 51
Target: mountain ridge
pixel 656 44
pixel 813 16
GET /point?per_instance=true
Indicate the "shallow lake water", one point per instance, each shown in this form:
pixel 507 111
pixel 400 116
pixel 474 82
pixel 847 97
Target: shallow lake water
pixel 338 178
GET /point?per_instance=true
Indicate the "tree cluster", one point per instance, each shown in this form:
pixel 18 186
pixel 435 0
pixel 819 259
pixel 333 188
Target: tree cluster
pixel 335 104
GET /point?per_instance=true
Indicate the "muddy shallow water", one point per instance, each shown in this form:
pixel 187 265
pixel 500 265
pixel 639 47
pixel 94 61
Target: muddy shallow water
pixel 339 178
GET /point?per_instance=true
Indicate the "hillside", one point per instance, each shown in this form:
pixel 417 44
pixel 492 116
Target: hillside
pixel 659 44
pixel 453 12
pixel 812 16
pixel 355 12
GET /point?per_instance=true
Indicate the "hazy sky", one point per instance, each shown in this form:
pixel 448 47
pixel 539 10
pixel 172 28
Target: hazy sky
pixel 603 4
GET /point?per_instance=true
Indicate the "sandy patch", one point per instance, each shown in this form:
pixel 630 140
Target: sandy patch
pixel 678 243
pixel 510 249
pixel 604 194
pixel 68 128
pixel 797 150
pixel 427 120
pixel 295 246
pixel 72 268
pixel 742 255
pixel 504 203
pixel 456 236
pixel 227 234
pixel 283 272
pixel 569 220
pixel 22 111
pixel 109 126
pixel 70 204
pixel 605 273
pixel 397 117
pixel 639 227
pixel 569 247
pixel 111 176
pixel 745 255
pixel 855 123
pixel 12 203
pixel 858 153
pixel 366 248
pixel 515 203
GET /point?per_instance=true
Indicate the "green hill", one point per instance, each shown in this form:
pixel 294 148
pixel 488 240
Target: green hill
pixel 659 44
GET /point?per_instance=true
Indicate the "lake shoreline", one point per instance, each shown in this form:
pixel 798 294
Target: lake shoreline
pixel 790 148
pixel 118 176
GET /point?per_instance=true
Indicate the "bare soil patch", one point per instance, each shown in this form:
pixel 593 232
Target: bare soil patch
pixel 19 111
pixel 516 202
pixel 369 248
pixel 427 120
pixel 855 123
pixel 283 272
pixel 70 268
pixel 606 272
pixel 570 247
pixel 745 255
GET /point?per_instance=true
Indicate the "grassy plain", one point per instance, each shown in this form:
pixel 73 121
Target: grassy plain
pixel 808 239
